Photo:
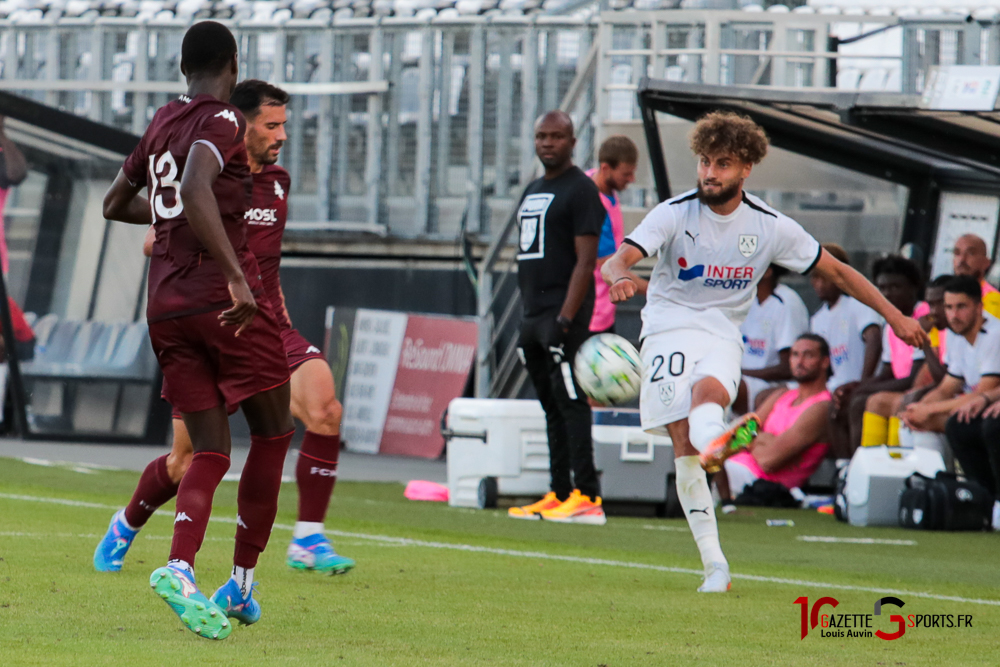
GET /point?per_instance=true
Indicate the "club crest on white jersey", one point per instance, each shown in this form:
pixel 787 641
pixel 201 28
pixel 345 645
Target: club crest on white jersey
pixel 748 244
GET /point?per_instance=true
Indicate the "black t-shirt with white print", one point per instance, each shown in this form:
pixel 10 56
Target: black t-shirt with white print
pixel 551 214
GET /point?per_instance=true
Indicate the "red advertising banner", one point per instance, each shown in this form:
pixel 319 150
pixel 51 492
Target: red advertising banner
pixel 434 363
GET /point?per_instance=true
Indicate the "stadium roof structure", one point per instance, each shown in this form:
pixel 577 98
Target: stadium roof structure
pixel 883 135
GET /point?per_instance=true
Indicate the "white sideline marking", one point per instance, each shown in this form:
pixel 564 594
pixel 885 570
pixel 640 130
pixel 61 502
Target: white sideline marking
pixel 855 540
pixel 670 528
pixel 469 548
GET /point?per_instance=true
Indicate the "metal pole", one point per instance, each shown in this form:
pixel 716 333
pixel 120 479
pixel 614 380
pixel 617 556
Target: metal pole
pixel 442 185
pixel 505 111
pixel 477 76
pixel 425 133
pixel 529 103
pixel 326 148
pixel 373 142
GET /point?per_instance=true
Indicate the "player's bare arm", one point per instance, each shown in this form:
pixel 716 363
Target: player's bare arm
pixel 123 203
pixel 16 164
pixel 780 371
pixel 853 283
pixel 581 280
pixel 616 273
pixel 148 240
pixel 203 215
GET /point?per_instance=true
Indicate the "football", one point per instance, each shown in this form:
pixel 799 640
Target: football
pixel 608 369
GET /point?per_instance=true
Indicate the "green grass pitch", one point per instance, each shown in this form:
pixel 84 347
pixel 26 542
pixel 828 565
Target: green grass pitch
pixel 444 586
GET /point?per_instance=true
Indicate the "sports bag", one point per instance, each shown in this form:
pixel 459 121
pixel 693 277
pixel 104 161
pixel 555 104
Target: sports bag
pixel 945 502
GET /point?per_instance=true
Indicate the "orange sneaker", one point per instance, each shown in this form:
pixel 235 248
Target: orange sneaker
pixel 533 512
pixel 578 508
pixel 736 439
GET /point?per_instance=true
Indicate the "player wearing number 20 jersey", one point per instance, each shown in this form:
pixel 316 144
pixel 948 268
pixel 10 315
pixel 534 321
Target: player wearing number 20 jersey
pixel 201 360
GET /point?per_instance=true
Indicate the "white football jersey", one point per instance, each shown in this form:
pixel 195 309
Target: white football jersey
pixel 842 326
pixel 709 265
pixel 972 362
pixel 773 326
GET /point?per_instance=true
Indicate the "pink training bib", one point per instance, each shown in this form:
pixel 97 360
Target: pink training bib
pixel 604 310
pixel 901 354
pixel 782 417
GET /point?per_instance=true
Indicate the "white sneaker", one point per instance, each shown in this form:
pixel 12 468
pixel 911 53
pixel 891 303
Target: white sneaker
pixel 996 515
pixel 716 578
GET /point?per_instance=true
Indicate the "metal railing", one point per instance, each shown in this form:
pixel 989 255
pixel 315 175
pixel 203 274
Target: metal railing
pixel 423 128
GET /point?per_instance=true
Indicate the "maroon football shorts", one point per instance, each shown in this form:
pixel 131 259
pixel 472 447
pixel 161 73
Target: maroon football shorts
pixel 205 364
pixel 298 349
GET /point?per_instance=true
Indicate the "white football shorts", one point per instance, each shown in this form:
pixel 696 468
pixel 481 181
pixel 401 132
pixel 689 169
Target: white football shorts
pixel 672 362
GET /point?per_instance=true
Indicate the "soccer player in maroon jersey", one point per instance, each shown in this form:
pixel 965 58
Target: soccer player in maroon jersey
pixel 216 338
pixel 313 398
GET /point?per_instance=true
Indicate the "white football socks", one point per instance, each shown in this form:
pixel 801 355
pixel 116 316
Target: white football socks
pixel 121 517
pixel 705 423
pixel 183 565
pixel 243 576
pixel 696 499
pixel 307 528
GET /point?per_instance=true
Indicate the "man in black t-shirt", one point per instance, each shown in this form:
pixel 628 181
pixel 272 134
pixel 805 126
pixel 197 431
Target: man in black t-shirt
pixel 559 221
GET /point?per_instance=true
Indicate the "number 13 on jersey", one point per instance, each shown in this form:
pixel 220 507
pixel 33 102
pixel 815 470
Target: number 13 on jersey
pixel 163 176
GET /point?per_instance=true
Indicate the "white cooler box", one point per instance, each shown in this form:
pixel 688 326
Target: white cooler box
pixel 500 447
pixel 876 479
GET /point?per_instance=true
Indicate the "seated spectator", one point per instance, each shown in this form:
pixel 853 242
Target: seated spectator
pixel 793 438
pixel 776 318
pixel 854 333
pixel 880 425
pixel 969 258
pixel 900 282
pixel 972 361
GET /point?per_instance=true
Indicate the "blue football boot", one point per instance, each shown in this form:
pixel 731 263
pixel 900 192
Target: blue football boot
pixel 316 553
pixel 111 550
pixel 230 599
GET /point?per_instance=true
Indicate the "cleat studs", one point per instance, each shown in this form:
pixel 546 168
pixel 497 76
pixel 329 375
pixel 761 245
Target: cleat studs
pixel 164 595
pixel 199 606
pixel 213 613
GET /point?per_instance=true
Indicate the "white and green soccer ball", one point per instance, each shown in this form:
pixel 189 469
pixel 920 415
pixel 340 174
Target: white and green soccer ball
pixel 608 369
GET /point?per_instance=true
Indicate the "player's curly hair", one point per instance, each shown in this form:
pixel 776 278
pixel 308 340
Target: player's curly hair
pixel 725 132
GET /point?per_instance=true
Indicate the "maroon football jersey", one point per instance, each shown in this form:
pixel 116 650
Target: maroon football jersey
pixel 184 279
pixel 266 225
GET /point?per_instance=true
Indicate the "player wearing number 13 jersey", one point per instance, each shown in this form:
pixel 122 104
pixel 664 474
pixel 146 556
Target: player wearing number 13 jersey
pixel 211 325
pixel 714 245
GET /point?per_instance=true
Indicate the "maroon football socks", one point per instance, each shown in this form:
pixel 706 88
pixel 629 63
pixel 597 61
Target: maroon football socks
pixel 155 488
pixel 257 500
pixel 316 473
pixel 194 503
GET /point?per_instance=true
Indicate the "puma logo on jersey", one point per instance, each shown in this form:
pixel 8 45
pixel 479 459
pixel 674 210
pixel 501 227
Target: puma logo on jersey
pixel 704 511
pixel 278 190
pixel 226 114
pixel 312 349
pixel 261 216
pixel 183 517
pixel 241 523
pixel 694 237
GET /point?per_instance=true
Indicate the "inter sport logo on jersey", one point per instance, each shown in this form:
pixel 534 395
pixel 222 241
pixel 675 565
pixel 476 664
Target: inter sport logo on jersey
pixel 724 277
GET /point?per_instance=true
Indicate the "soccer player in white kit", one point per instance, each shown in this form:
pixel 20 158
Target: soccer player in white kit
pixel 714 244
